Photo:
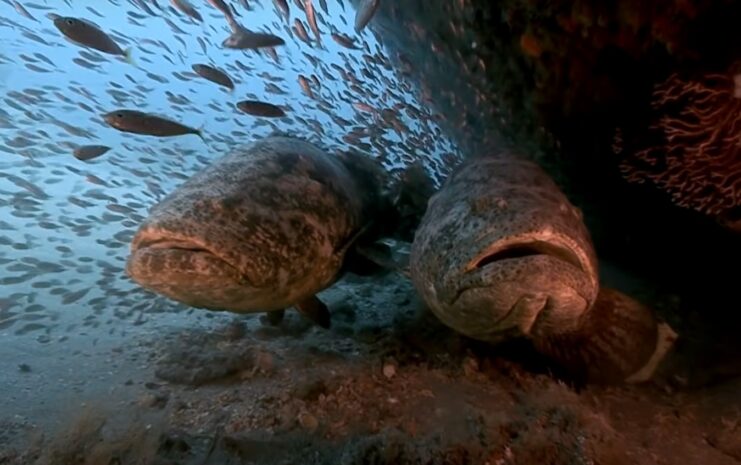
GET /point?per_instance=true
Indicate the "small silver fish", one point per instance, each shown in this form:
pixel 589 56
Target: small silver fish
pixel 224 9
pixel 138 122
pixel 185 7
pixel 305 86
pixel 89 152
pixel 214 75
pixel 344 41
pixel 221 6
pixel 365 13
pixel 300 30
pixel 311 19
pixel 22 11
pixel 86 33
pixel 258 108
pixel 283 9
pixel 242 38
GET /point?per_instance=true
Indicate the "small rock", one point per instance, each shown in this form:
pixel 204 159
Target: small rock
pixel 235 331
pixel 264 361
pixel 173 443
pixel 310 390
pixel 470 366
pixel 24 368
pixel 389 370
pixel 158 400
pixel 308 421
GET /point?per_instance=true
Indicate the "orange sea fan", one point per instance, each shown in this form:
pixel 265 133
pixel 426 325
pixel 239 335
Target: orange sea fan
pixel 697 156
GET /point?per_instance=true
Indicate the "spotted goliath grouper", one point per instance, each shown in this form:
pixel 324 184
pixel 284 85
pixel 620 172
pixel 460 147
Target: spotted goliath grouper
pixel 265 228
pixel 501 253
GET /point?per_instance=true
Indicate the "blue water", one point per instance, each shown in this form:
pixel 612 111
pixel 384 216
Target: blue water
pixel 68 229
pixel 66 304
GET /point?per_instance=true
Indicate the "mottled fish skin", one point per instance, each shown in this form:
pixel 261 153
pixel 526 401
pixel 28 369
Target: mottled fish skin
pixel 214 75
pixel 258 108
pixel 502 253
pixel 87 34
pixel 263 228
pixel 138 122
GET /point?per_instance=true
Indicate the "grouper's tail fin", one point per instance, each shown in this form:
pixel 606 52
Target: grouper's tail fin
pixel 619 340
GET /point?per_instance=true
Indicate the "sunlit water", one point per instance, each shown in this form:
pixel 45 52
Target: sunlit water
pixel 65 224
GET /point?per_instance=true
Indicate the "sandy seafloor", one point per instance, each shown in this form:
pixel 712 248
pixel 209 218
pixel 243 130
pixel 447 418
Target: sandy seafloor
pixel 387 384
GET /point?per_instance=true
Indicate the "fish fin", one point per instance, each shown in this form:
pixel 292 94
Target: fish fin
pixel 275 317
pixel 370 259
pixel 315 310
pixel 199 132
pixel 129 57
pixel 618 340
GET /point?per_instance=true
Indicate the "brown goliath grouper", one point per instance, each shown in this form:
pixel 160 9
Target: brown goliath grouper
pixel 264 228
pixel 501 253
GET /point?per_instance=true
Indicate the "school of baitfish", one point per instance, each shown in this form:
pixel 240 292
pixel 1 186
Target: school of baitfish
pixel 64 187
pixel 101 102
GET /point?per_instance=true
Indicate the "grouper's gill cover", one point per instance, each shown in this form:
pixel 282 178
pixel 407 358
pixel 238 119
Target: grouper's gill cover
pixel 259 229
pixel 502 253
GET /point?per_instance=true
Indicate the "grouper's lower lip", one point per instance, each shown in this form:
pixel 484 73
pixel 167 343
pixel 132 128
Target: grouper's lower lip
pixel 173 259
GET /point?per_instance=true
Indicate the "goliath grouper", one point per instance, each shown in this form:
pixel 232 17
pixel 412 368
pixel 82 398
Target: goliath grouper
pixel 501 253
pixel 264 228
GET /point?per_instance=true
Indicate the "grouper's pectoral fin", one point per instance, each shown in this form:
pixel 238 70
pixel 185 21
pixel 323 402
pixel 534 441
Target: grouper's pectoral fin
pixel 315 310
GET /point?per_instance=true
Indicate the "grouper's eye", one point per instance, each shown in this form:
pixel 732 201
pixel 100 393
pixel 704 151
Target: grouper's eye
pixel 70 22
pixel 119 115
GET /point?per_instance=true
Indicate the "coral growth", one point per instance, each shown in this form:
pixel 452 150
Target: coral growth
pixel 697 157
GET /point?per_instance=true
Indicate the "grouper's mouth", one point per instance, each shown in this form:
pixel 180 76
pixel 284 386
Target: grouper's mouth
pixel 517 280
pixel 500 263
pixel 515 249
pixel 159 258
pixel 174 244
